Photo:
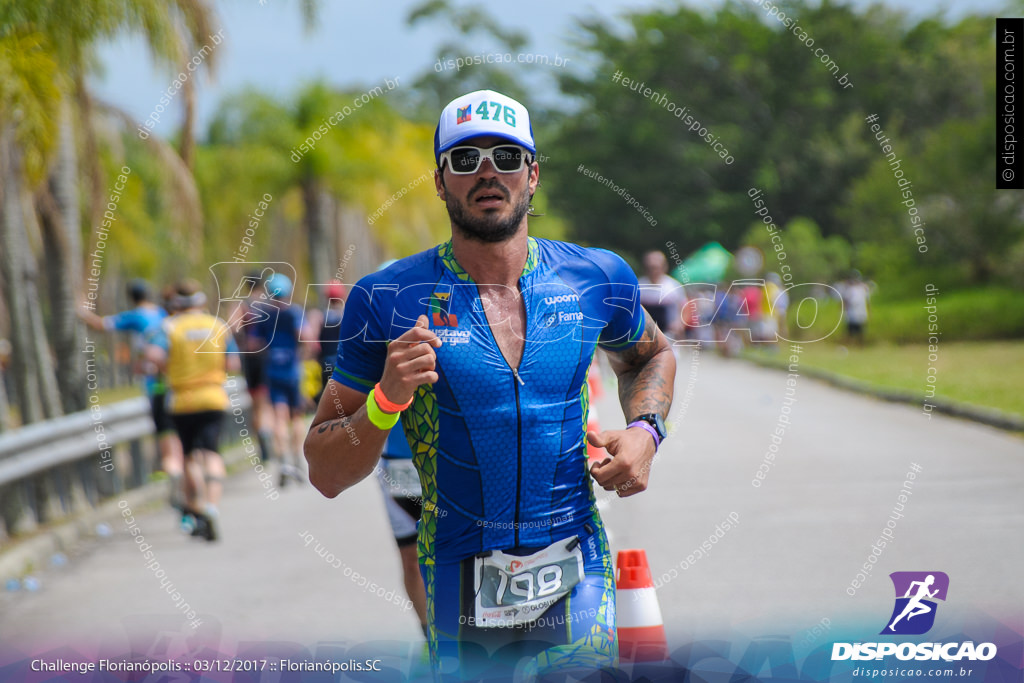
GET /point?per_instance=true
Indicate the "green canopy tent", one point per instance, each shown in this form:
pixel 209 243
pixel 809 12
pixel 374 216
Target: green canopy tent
pixel 707 264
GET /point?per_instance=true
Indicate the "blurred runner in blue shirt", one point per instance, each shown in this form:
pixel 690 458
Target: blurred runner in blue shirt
pixel 141 322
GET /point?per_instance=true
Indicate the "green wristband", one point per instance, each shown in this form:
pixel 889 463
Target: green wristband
pixel 381 420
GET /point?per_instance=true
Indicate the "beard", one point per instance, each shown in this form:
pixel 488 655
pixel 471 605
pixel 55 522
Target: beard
pixel 489 228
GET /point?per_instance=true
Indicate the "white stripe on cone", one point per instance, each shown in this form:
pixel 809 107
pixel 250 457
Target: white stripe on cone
pixel 637 608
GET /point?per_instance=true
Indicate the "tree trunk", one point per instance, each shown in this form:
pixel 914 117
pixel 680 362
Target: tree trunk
pixel 5 408
pixel 58 208
pixel 318 233
pixel 49 393
pixel 67 156
pixel 187 147
pixel 366 253
pixel 14 254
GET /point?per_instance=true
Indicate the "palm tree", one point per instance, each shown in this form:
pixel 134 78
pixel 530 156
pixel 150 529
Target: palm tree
pixel 344 176
pixel 30 90
pixel 72 30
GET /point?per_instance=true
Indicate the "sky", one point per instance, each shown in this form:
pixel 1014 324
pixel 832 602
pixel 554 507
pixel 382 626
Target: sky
pixel 357 44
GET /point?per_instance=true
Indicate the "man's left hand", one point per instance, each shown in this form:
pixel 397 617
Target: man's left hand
pixel 627 471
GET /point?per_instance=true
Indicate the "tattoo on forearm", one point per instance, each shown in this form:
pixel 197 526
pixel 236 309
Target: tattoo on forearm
pixel 340 422
pixel 646 378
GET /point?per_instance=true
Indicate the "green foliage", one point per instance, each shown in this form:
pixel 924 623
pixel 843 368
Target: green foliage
pixel 971 314
pixel 800 245
pixel 258 145
pixel 795 133
pixel 462 64
pixel 31 88
pixel 985 374
pixel 75 28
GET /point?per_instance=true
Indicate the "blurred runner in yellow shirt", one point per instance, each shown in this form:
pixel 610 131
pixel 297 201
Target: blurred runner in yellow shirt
pixel 196 350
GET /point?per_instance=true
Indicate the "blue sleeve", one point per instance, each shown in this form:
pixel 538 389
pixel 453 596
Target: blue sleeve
pixel 360 363
pixel 624 314
pixel 158 337
pixel 125 321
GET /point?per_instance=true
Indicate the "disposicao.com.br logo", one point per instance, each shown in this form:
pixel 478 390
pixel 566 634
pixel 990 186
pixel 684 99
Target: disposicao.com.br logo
pixel 914 614
pixel 914 591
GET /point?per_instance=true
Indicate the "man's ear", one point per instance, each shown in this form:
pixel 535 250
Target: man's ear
pixel 439 183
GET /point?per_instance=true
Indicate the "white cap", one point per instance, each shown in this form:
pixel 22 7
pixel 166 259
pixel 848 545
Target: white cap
pixel 484 112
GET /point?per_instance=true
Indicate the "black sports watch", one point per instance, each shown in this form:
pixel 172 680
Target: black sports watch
pixel 655 421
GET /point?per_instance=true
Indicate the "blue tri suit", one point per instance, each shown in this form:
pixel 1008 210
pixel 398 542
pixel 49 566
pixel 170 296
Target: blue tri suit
pixel 500 452
pixel 142 322
pixel 280 331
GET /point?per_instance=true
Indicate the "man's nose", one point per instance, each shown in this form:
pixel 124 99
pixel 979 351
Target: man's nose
pixel 487 169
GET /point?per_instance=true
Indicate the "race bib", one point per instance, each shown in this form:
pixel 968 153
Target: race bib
pixel 401 478
pixel 512 590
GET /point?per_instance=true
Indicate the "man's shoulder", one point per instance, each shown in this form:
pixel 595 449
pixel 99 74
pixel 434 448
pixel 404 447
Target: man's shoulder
pixel 136 319
pixel 592 261
pixel 404 271
pixel 185 323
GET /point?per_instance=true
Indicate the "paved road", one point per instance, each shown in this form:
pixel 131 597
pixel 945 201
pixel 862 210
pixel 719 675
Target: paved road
pixel 800 539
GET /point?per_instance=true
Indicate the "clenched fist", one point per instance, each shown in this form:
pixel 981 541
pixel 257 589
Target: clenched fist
pixel 629 468
pixel 411 362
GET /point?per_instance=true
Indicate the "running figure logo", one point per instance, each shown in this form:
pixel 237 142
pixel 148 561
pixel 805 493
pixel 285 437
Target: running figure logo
pixel 914 612
pixel 235 289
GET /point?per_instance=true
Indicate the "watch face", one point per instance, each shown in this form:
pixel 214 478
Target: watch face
pixel 655 421
pixel 659 424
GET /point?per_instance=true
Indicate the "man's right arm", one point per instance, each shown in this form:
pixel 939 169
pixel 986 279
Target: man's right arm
pixel 343 445
pixel 87 316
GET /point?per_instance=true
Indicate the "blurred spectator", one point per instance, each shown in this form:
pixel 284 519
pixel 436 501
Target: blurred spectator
pixel 662 296
pixel 776 303
pixel 856 295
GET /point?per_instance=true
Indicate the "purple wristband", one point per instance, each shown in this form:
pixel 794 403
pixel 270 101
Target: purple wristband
pixel 650 430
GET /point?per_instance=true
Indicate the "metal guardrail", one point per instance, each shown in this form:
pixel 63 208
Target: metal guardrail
pixel 58 467
pixel 45 445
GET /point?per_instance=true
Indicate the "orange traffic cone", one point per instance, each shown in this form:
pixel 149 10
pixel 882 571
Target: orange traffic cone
pixel 638 617
pixel 594 386
pixel 594 454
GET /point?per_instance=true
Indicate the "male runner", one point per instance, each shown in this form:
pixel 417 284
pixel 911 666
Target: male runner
pixel 280 334
pixel 142 321
pixel 196 351
pixel 491 336
pixel 243 321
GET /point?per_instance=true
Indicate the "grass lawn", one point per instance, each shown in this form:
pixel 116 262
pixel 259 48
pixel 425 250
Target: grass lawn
pixel 988 374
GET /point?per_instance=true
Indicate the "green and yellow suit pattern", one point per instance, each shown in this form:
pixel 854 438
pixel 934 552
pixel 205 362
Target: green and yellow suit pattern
pixel 445 252
pixel 597 646
pixel 420 423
